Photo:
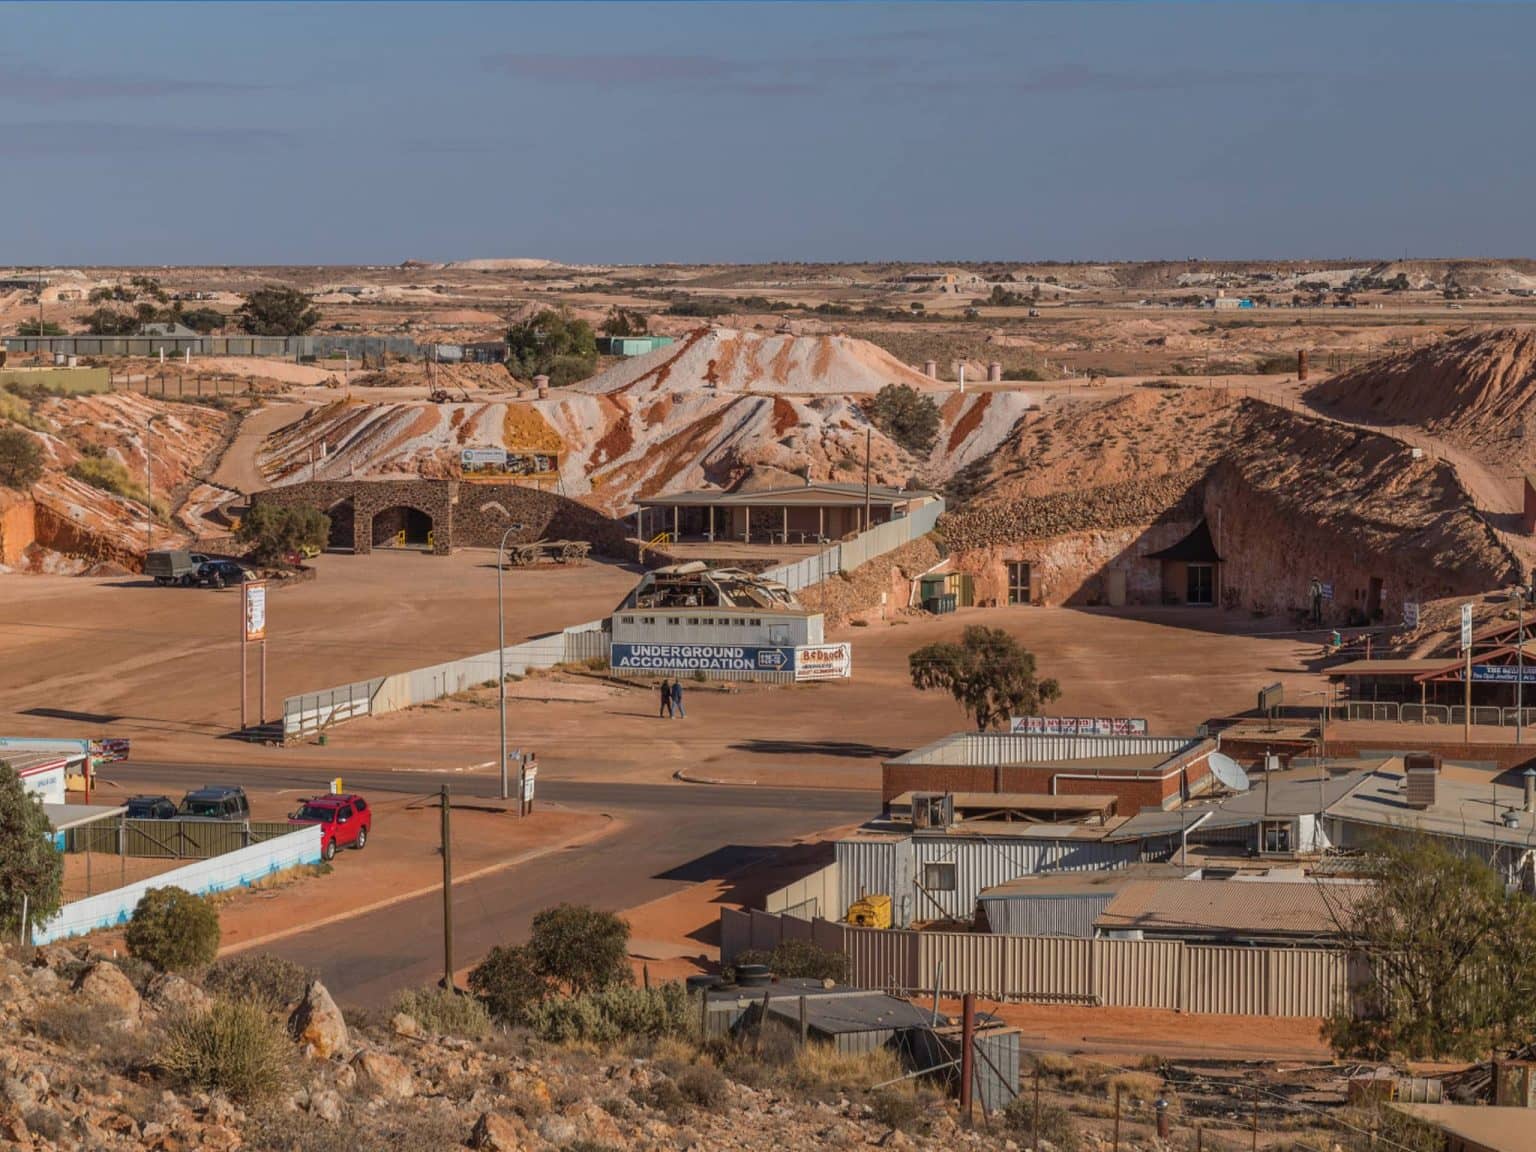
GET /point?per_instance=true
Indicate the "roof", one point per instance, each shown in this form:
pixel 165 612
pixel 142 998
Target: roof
pixel 1465 810
pixel 1496 1129
pixel 64 816
pixel 1060 885
pixel 1074 753
pixel 1023 802
pixel 1394 667
pixel 854 1010
pixel 1294 793
pixel 1227 908
pixel 1196 548
pixel 30 763
pixel 823 492
pixel 980 830
pixel 1139 762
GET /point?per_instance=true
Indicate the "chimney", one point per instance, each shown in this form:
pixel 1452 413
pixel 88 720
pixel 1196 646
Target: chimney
pixel 1530 790
pixel 1421 770
pixel 931 369
pixel 994 373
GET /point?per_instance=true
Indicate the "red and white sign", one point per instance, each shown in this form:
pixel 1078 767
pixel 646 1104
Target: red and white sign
pixel 1079 726
pixel 824 662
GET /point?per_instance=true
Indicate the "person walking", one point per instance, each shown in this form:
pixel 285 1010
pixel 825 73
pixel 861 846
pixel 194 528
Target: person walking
pixel 677 699
pixel 666 698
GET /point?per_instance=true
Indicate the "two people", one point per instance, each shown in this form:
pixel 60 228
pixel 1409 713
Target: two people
pixel 672 699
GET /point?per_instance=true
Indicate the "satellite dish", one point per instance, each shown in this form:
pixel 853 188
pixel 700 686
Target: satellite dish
pixel 1226 770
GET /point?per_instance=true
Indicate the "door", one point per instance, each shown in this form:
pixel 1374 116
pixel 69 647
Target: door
pixel 1018 582
pixel 1114 587
pixel 1373 599
pixel 1201 580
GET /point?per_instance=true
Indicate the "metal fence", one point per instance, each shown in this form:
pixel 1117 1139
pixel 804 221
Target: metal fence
pixel 172 839
pixel 1390 712
pixel 1168 974
pixel 849 554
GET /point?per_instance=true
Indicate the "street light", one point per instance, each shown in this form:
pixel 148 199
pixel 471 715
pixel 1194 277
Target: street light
pixel 1522 592
pixel 149 489
pixel 501 637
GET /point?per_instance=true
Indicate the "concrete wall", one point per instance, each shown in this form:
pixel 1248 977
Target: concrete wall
pixel 232 870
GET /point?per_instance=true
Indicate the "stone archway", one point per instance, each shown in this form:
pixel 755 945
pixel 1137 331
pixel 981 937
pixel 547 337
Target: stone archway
pixel 342 515
pixel 401 526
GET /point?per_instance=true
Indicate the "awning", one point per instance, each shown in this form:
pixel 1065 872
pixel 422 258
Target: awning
pixel 1196 548
pixel 66 816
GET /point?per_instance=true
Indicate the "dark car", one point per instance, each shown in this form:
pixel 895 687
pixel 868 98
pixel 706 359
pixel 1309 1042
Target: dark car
pixel 345 821
pixel 215 802
pixel 151 808
pixel 217 573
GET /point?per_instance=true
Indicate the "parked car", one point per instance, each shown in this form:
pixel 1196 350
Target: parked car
pixel 174 566
pixel 217 573
pixel 151 808
pixel 345 821
pixel 215 802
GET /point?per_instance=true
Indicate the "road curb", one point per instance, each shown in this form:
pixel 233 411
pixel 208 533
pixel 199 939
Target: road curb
pixel 611 825
pixel 682 774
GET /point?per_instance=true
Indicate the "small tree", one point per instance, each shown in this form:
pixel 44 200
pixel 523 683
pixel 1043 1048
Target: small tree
pixel 906 416
pixel 21 460
pixel 509 984
pixel 36 328
pixel 624 322
pixel 277 531
pixel 989 673
pixel 553 343
pixel 31 868
pixel 277 310
pixel 1448 950
pixel 173 930
pixel 202 320
pixel 110 322
pixel 572 949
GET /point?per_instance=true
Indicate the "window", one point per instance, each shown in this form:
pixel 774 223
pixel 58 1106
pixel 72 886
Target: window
pixel 674 620
pixel 1277 837
pixel 629 619
pixel 362 805
pixel 939 877
pixel 1018 582
pixel 693 620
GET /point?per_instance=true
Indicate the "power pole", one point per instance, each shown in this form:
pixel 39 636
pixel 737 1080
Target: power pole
pixel 868 442
pixel 447 896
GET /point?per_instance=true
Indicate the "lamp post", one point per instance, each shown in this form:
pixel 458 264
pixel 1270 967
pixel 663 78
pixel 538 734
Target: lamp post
pixel 149 489
pixel 1322 766
pixel 501 640
pixel 1522 592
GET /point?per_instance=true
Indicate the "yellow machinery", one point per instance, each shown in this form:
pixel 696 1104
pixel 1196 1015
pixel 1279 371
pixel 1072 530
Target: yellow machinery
pixel 871 911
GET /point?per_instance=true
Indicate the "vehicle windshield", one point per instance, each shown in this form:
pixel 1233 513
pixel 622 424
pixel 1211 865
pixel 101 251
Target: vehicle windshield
pixel 315 812
pixel 202 808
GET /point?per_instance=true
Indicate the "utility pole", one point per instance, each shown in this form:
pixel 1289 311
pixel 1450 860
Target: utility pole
pixel 868 444
pixel 501 641
pixel 967 1056
pixel 447 896
pixel 1520 664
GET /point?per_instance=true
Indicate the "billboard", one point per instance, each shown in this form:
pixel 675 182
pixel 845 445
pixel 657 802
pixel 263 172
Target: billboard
pixel 1078 725
pixel 701 658
pixel 254 618
pixel 824 662
pixel 110 750
pixel 476 459
pixel 1504 673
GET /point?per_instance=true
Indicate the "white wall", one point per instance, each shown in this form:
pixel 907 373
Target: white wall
pixel 231 870
pixel 47 785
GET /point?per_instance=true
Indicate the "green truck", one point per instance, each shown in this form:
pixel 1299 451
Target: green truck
pixel 173 566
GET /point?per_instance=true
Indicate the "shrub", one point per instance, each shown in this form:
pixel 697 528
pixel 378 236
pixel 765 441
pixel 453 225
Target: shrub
pixel 509 984
pixel 907 417
pixel 445 1013
pixel 703 1086
pixel 580 948
pixel 611 1014
pixel 173 930
pixel 259 977
pixel 1056 1123
pixel 799 959
pixel 276 531
pixel 111 476
pixel 21 460
pixel 234 1047
pixel 31 868
pixel 91 1028
pixel 902 1109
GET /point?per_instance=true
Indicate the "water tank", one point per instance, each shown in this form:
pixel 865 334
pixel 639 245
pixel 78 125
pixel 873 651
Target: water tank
pixel 994 373
pixel 931 369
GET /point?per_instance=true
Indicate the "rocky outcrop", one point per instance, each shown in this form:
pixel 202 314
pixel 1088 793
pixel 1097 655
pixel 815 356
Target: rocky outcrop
pixel 985 523
pixel 318 1024
pixel 104 985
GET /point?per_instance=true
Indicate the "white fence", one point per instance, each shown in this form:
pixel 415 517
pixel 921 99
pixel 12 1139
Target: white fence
pixel 311 712
pixel 231 870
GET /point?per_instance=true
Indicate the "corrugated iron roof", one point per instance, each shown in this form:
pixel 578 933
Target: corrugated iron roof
pixel 1227 907
pixel 1496 1129
pixel 26 763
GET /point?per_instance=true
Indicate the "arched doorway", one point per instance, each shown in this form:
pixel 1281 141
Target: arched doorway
pixel 402 527
pixel 343 515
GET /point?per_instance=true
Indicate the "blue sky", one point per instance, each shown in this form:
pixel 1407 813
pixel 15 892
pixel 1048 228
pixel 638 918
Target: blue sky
pixel 268 133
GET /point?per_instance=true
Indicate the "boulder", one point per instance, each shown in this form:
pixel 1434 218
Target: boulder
pixel 172 993
pixel 557 1129
pixel 383 1076
pixel 326 1105
pixel 104 985
pixel 317 1023
pixel 404 1024
pixel 496 1133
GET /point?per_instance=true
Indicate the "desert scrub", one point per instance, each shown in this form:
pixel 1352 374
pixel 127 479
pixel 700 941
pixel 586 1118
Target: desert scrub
pixel 235 1047
pixel 112 476
pixel 445 1013
pixel 173 930
pixel 1056 1124
pixel 260 978
pixel 613 1014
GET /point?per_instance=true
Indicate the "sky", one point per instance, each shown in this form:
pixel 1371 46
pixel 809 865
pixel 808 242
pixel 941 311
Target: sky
pixel 225 133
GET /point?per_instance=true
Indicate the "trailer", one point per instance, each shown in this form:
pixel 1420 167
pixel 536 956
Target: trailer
pixel 548 552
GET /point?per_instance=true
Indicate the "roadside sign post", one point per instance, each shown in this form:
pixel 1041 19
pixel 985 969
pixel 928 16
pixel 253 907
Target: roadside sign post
pixel 1466 649
pixel 253 630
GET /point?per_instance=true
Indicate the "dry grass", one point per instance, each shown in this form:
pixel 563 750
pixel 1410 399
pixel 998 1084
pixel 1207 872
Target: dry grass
pixel 1136 1086
pixel 824 1067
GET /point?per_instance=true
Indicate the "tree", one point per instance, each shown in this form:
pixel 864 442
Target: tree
pixel 571 950
pixel 31 328
pixel 278 531
pixel 277 310
pixel 989 673
pixel 907 417
pixel 21 460
pixel 110 322
pixel 202 320
pixel 553 343
pixel 173 930
pixel 1448 952
pixel 625 322
pixel 31 868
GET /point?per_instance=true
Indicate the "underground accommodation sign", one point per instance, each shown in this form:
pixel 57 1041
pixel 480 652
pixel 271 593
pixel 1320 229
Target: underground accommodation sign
pixel 701 658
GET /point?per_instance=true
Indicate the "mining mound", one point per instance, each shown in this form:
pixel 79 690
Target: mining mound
pixel 1476 386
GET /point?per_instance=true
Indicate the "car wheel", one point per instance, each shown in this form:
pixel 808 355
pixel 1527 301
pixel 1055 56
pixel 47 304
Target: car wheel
pixel 187 581
pixel 329 852
pixel 362 837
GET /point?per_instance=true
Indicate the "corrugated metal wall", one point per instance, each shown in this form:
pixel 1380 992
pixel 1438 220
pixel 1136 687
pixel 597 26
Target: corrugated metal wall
pixel 631 627
pixel 809 897
pixel 993 748
pixel 1167 974
pixel 1070 916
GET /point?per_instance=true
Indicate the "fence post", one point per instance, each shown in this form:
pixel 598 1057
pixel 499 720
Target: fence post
pixel 967 1057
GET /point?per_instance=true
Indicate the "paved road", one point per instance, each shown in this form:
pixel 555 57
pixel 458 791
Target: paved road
pixel 673 835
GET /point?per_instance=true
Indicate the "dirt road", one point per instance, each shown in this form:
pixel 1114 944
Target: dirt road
pixel 237 468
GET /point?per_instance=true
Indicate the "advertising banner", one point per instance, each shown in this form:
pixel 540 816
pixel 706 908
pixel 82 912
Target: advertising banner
pixel 701 657
pixel 1410 614
pixel 475 459
pixel 255 616
pixel 1504 673
pixel 824 662
pixel 1079 725
pixel 110 751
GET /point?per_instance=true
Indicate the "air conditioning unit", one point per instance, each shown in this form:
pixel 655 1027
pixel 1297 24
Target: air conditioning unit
pixel 933 810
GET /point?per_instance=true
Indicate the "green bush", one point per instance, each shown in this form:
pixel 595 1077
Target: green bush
pixel 21 460
pixel 173 930
pixel 509 984
pixel 445 1013
pixel 798 959
pixel 31 868
pixel 907 417
pixel 233 1047
pixel 277 531
pixel 259 978
pixel 611 1014
pixel 580 948
pixel 111 476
